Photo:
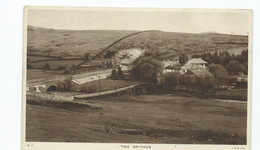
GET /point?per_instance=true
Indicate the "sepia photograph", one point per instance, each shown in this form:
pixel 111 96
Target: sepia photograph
pixel 137 76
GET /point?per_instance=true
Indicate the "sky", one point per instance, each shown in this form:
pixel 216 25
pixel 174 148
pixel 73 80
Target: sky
pixel 172 20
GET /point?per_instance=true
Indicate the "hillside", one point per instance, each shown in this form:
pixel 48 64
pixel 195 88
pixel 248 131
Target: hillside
pixel 63 43
pixel 68 43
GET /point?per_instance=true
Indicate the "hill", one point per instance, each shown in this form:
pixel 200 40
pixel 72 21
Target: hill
pixel 69 43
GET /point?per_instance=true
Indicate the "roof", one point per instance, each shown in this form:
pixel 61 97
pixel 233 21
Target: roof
pixel 176 66
pixel 193 66
pixel 200 72
pixel 196 61
pixel 167 63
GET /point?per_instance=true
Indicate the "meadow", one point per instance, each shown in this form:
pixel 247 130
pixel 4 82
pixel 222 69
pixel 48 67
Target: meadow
pixel 137 119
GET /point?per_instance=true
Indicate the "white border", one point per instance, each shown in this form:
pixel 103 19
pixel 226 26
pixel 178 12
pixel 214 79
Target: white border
pixel 11 18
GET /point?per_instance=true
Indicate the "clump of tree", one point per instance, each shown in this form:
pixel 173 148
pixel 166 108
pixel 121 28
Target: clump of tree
pixel 117 74
pixel 65 85
pixel 234 64
pixel 234 67
pixel 183 59
pixel 147 69
pixel 109 54
pixel 120 73
pixel 204 86
pixel 220 74
pixel 68 83
pixel 113 73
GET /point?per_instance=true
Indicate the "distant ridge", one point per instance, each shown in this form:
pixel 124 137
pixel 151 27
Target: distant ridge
pixel 159 44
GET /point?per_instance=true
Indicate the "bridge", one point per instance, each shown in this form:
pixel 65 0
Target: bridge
pixel 136 89
pixel 51 83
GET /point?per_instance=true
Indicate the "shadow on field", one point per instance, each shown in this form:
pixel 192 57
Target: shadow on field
pixel 70 106
pixel 204 136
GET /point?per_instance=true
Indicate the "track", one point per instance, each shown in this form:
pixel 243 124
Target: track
pixel 96 56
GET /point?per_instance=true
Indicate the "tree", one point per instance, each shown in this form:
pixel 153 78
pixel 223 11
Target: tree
pixel 120 72
pixel 205 86
pixel 220 73
pixel 147 69
pixel 183 59
pixel 68 82
pixel 170 81
pixel 110 54
pixel 113 74
pixel 234 67
pixel 87 56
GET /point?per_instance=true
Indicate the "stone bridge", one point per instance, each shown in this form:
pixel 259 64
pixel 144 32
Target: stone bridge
pixel 137 89
pixel 52 83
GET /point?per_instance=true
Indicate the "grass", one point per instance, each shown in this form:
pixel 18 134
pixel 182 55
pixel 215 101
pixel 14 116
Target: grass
pixel 65 42
pixel 38 73
pixel 38 58
pixel 55 63
pixel 234 92
pixel 141 119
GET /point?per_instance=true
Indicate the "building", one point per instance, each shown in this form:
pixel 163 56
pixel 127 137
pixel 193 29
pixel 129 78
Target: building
pixel 194 63
pixel 199 72
pixel 196 67
pixel 175 67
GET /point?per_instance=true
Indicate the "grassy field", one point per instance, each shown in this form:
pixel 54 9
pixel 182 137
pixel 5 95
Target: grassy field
pixel 141 119
pixel 38 73
pixel 234 92
pixel 66 43
pixel 55 63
